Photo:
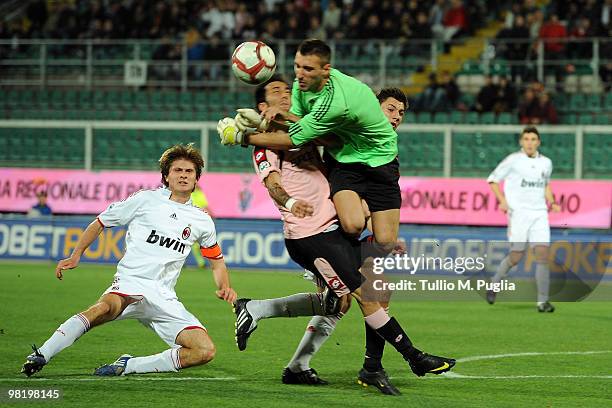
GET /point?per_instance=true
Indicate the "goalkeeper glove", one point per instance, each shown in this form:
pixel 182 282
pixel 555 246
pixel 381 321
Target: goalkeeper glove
pixel 230 134
pixel 249 118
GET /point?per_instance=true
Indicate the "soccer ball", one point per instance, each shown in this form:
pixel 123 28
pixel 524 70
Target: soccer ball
pixel 253 62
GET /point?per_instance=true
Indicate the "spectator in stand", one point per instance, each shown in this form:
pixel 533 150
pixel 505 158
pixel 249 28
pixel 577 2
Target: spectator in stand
pixel 41 208
pixel 421 31
pixel 516 9
pixel 605 17
pixel 545 111
pixel 453 93
pixel 455 21
pixel 331 18
pixel 515 46
pixel 605 73
pixel 433 98
pixel 436 18
pixel 582 50
pixel 535 21
pixel 506 96
pixel 528 106
pixel 316 29
pixel 165 56
pixel 487 96
pixel 554 34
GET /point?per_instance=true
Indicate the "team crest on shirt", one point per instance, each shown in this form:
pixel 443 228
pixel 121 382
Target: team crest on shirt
pixel 186 232
pixel 260 159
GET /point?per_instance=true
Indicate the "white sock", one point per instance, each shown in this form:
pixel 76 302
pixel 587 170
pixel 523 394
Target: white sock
pixel 317 332
pixel 165 361
pixel 300 304
pixel 542 275
pixel 64 336
pixel 502 270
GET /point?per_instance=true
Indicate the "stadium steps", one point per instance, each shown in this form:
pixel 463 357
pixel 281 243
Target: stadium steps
pixel 454 60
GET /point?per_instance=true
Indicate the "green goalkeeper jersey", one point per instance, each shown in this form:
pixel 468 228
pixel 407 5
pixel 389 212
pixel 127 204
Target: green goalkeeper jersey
pixel 347 108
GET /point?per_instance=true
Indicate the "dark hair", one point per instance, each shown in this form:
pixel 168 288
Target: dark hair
pixel 180 151
pixel 530 129
pixel 260 92
pixel 395 93
pixel 316 47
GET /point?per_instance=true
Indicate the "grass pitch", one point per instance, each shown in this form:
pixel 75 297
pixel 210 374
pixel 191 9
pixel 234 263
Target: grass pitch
pixel 509 355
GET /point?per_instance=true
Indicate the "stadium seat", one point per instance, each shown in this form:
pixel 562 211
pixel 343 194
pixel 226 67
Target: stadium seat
pixel 505 118
pixel 441 117
pixel 487 118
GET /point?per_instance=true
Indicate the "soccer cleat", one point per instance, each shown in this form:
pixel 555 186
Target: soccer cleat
pixel 428 364
pixel 491 297
pixel 546 307
pixel 113 370
pixel 34 362
pixel 378 379
pixel 308 377
pixel 245 325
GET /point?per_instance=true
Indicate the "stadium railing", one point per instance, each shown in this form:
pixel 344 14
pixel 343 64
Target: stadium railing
pixel 107 63
pixel 429 150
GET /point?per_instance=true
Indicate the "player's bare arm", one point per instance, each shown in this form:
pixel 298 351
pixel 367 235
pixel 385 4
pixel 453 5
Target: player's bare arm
pixel 90 234
pixel 501 199
pixel 299 208
pixel 277 113
pixel 550 199
pixel 221 276
pixel 272 140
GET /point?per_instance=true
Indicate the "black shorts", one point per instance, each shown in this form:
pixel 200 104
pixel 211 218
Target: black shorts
pixel 378 186
pixel 341 252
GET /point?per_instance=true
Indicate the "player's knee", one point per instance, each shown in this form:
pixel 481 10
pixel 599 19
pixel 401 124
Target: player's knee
pixel 353 227
pixel 515 257
pixel 100 309
pixel 206 353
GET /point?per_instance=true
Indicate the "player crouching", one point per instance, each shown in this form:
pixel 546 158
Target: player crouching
pixel 162 226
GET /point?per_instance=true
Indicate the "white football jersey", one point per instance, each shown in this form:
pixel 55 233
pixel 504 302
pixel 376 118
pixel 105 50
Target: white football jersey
pixel 525 178
pixel 159 236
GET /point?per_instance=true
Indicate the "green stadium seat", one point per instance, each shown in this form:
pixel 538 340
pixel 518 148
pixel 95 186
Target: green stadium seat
pixel 603 118
pixel 471 118
pixel 487 118
pixel 113 99
pixel 423 118
pixel 57 99
pixel 593 102
pixel 170 100
pixel 99 99
pixel 505 118
pixel 409 117
pixel 126 99
pixel 456 117
pixel 186 100
pixel 585 119
pixel 577 102
pixel 441 117
pixel 141 100
pixel 85 99
pixel 608 101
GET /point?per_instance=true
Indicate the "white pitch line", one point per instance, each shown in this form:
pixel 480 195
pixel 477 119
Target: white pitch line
pixel 131 378
pixel 527 354
pixel 456 375
pixel 453 375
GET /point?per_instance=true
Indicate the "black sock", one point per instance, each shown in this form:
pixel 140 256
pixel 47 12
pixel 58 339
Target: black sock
pixel 394 334
pixel 375 346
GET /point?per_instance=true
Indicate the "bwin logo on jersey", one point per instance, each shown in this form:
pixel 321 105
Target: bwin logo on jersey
pixel 533 183
pixel 174 244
